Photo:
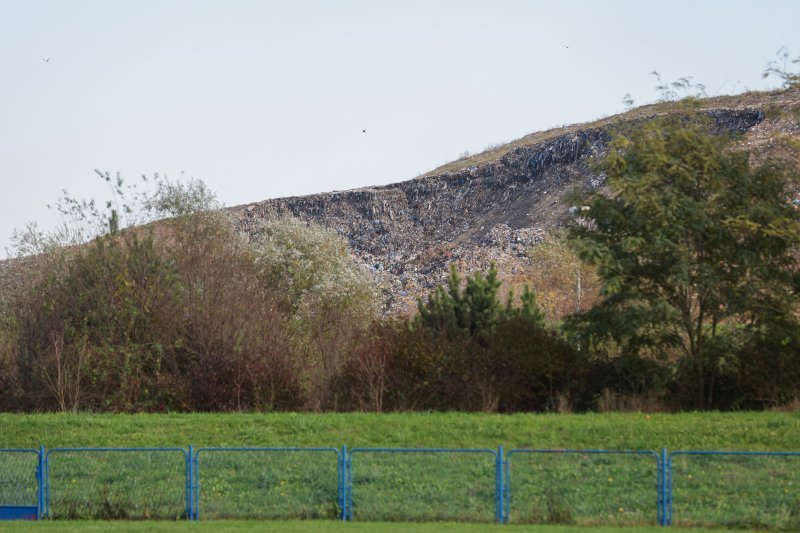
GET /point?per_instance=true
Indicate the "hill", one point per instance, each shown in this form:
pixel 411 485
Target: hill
pixel 493 206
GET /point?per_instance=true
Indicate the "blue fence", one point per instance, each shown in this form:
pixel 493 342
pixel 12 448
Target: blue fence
pixel 620 487
pixel 21 483
pixel 268 483
pixel 616 486
pixel 379 486
pixel 706 487
pixel 130 483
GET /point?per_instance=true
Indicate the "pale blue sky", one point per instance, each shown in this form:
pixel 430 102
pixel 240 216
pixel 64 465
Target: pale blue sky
pixel 267 99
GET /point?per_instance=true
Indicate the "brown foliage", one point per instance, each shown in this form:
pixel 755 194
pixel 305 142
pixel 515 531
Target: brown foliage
pixel 131 323
pixel 235 329
pixel 520 366
pixel 563 284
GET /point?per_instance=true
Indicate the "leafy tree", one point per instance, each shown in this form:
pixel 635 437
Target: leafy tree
pixel 236 350
pixel 768 366
pixel 96 334
pixel 779 68
pixel 306 260
pixel 564 284
pixel 690 237
pixel 535 369
pixel 130 204
pixel 171 315
pixel 331 297
pixel 396 368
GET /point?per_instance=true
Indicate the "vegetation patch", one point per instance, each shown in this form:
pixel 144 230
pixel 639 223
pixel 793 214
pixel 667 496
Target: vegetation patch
pixel 549 488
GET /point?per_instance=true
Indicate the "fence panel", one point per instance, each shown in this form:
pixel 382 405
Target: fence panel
pixel 616 487
pixel 117 483
pixel 735 489
pixel 269 483
pixel 422 484
pixel 19 483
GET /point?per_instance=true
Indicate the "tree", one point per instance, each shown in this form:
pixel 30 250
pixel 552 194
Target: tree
pixel 130 204
pixel 331 297
pixel 475 310
pixel 564 284
pixel 236 351
pixel 779 68
pixel 170 315
pixel 493 356
pixel 691 237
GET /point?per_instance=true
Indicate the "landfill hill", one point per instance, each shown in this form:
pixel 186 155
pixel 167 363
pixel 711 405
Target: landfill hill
pixel 493 206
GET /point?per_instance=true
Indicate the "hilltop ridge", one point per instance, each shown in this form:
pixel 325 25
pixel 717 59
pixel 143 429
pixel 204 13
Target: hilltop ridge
pixel 494 205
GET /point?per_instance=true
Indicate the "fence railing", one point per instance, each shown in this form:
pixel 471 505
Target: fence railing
pixel 734 489
pixel 408 483
pixel 618 487
pixel 129 483
pixel 268 483
pixel 19 497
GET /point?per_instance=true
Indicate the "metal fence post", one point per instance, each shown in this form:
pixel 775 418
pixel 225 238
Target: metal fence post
pixel 189 485
pixel 343 484
pixel 40 480
pixel 196 489
pixel 46 484
pixel 507 488
pixel 348 468
pixel 499 498
pixel 667 488
pixel 661 489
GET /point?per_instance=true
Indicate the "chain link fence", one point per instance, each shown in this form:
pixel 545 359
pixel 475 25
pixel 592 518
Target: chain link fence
pixel 751 490
pixel 269 483
pixel 583 487
pixel 117 483
pixel 18 476
pixel 614 487
pixel 422 484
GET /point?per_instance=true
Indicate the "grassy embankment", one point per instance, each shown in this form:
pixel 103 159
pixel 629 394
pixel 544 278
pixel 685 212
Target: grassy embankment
pixel 722 431
pixel 311 526
pixel 562 488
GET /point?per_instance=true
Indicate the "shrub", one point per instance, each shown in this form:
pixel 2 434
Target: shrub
pixel 331 298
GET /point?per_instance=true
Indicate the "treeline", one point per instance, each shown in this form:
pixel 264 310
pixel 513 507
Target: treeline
pixel 691 258
pixel 133 323
pixel 696 249
pixel 187 315
pixel 184 314
pixel 465 350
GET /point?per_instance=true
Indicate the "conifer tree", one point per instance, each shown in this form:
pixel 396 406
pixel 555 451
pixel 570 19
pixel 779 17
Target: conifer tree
pixel 475 310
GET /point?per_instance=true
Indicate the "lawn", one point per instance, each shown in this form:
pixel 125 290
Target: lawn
pixel 313 526
pixel 563 488
pixel 724 431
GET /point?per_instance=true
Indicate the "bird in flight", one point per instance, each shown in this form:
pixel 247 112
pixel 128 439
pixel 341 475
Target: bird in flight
pixel 363 131
pixel 46 60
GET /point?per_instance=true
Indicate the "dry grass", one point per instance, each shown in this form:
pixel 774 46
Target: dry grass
pixel 612 402
pixel 789 407
pixel 775 104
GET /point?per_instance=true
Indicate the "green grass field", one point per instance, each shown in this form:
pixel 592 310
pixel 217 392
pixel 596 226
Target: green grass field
pixel 727 431
pixel 311 526
pixel 581 489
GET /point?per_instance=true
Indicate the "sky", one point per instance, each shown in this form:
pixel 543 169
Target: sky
pixel 266 99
